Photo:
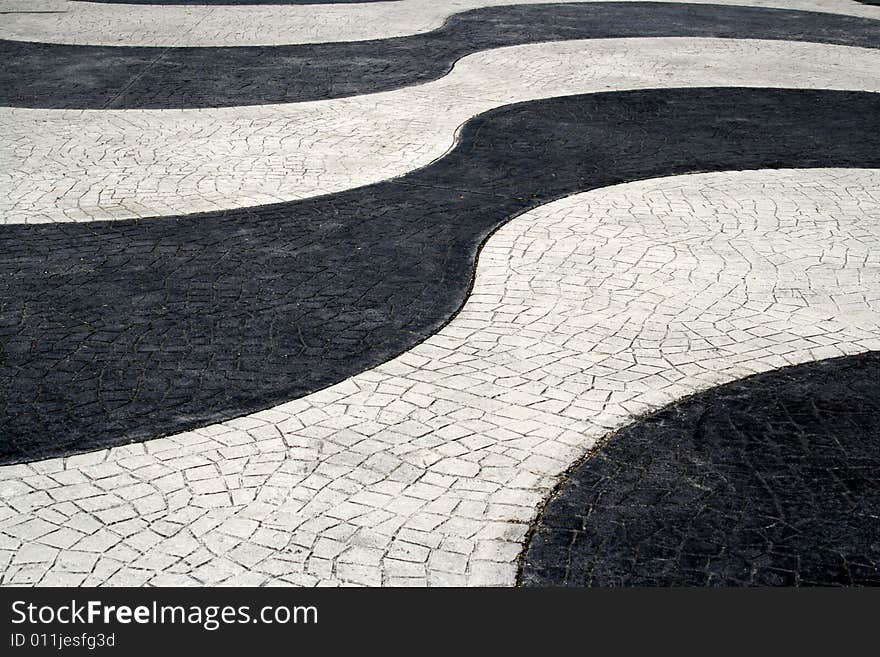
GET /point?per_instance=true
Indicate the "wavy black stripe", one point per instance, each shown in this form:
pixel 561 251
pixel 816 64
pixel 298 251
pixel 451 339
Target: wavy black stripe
pixel 121 331
pixel 772 480
pixel 96 77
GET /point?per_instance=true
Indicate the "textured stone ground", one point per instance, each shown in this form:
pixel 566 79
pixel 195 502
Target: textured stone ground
pixel 770 481
pixel 64 21
pixel 155 163
pixel 585 313
pixel 100 77
pixel 403 315
pixel 116 331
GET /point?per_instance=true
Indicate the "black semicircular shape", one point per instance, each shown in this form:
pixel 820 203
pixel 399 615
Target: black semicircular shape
pixel 40 75
pixel 773 480
pixel 121 331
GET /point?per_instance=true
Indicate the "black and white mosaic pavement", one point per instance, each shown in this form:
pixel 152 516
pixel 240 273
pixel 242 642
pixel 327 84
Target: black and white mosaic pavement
pixel 415 302
pixel 104 77
pixel 112 330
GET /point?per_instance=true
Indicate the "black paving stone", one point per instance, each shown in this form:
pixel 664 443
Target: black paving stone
pixel 98 77
pixel 769 481
pixel 121 331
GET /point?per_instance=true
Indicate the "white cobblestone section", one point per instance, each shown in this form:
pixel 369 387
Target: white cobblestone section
pixel 169 25
pixel 585 313
pixel 62 165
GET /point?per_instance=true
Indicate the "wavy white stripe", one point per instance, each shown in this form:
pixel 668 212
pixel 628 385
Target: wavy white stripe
pixel 585 313
pixel 64 165
pixel 169 25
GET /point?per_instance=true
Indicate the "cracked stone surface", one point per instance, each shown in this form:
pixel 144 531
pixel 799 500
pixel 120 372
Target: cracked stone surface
pixel 92 77
pixel 120 331
pixel 80 166
pixel 232 2
pixel 586 313
pixel 61 21
pixel 243 340
pixel 770 481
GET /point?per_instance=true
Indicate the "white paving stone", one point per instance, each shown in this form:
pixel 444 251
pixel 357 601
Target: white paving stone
pixel 63 165
pixel 194 25
pixel 585 313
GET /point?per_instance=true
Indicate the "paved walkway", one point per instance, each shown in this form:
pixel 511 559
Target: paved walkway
pixel 410 305
pixel 170 25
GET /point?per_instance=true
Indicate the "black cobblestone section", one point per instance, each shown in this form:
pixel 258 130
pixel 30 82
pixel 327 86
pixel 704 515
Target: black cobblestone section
pixel 122 331
pixel 96 77
pixel 769 481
